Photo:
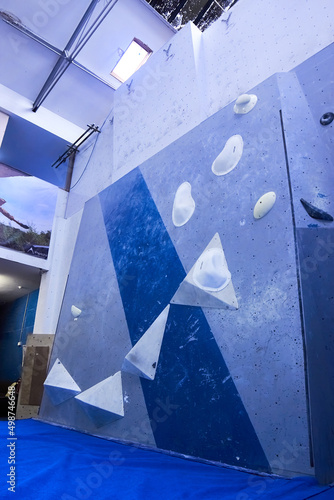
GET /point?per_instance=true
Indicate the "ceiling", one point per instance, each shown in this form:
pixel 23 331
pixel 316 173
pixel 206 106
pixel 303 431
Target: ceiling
pixel 76 44
pixel 55 79
pixel 17 280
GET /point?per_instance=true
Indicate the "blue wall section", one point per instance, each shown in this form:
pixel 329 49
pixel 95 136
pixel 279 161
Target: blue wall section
pixel 16 317
pixel 206 418
pixel 145 259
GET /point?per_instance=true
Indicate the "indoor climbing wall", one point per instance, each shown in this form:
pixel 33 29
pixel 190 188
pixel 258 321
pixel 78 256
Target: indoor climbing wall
pixel 182 324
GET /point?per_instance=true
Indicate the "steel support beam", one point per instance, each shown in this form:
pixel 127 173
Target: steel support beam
pixel 203 11
pixel 52 48
pixel 63 62
pixel 66 57
pixel 177 10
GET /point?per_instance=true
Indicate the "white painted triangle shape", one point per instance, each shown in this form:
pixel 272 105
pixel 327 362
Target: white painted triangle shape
pixel 103 402
pixel 143 358
pixel 59 384
pixel 189 293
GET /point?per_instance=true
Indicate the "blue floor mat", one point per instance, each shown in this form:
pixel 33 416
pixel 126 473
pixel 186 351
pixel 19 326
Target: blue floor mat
pixel 57 463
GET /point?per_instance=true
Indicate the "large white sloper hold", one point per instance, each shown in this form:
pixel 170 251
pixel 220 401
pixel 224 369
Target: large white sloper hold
pixel 209 282
pixel 59 384
pixel 103 402
pixel 229 158
pixel 183 206
pixel 143 358
pixel 264 205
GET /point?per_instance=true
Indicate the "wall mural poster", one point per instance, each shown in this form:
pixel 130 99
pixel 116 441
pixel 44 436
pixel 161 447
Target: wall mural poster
pixel 27 207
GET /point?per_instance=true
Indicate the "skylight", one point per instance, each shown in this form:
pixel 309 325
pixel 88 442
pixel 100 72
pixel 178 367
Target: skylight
pixel 133 58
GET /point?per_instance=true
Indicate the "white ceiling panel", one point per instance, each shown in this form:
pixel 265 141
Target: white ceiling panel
pixel 53 20
pixel 24 64
pixel 89 105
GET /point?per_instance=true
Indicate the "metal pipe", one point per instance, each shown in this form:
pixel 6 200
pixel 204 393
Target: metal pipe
pixel 33 36
pixel 89 72
pixel 70 171
pixel 75 146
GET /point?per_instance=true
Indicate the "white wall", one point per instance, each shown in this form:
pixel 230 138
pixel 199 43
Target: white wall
pixel 262 38
pixel 177 89
pixel 53 283
pixel 14 103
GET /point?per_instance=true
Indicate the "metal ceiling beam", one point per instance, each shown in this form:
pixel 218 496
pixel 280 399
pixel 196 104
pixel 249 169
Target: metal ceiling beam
pixel 66 58
pixel 177 10
pixel 203 11
pixel 63 63
pixel 33 36
pixel 52 48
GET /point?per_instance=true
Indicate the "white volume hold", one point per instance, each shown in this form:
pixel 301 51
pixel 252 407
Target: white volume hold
pixel 183 206
pixel 211 272
pixel 264 205
pixel 244 104
pixel 229 158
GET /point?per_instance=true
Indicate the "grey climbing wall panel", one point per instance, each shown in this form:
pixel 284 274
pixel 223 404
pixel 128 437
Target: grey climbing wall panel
pixel 214 363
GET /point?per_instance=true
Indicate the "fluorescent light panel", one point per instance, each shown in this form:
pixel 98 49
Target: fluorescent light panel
pixel 133 58
pixel 3 125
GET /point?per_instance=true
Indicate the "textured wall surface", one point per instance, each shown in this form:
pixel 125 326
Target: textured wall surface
pixel 230 384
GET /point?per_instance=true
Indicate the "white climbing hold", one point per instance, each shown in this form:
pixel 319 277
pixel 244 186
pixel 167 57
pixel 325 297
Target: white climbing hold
pixel 211 272
pixel 208 283
pixel 103 402
pixel 59 384
pixel 230 156
pixel 75 311
pixel 264 205
pixel 184 205
pixel 245 103
pixel 142 359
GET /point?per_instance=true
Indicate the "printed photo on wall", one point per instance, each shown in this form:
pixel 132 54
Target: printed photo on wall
pixel 27 207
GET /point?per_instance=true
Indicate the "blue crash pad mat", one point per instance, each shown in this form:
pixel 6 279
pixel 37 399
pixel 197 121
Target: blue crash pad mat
pixel 57 463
